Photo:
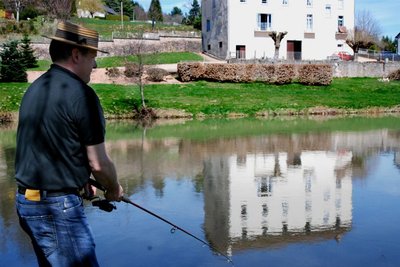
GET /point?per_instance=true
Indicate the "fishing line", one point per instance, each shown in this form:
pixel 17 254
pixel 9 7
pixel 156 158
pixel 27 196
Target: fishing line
pixel 174 226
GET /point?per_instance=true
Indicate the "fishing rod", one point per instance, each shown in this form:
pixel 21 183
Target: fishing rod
pixel 107 206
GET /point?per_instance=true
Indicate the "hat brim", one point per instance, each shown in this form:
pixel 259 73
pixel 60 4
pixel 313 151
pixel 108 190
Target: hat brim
pixel 73 43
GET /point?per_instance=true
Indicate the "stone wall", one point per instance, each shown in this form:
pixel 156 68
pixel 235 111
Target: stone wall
pixel 120 47
pixel 340 68
pixel 364 69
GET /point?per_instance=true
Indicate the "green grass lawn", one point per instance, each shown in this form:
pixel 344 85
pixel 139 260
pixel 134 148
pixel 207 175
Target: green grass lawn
pixel 148 59
pixel 106 27
pixel 220 99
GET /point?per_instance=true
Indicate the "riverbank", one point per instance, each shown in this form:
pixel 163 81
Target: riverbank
pixel 210 99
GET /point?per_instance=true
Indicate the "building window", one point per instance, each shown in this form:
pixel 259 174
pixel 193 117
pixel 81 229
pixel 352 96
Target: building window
pixel 285 2
pixel 340 21
pixel 264 22
pixel 328 10
pixel 242 1
pixel 340 4
pixel 309 3
pixel 309 22
pixel 208 25
pixel 209 47
pixel 220 44
pixel 263 1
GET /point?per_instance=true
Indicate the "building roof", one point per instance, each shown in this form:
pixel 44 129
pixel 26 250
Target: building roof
pixel 397 36
pixel 109 10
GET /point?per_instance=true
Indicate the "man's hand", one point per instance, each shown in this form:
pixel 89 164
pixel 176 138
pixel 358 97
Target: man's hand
pixel 114 195
pixel 89 191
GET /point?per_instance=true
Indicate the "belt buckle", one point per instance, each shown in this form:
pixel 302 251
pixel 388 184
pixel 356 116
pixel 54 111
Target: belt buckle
pixel 32 194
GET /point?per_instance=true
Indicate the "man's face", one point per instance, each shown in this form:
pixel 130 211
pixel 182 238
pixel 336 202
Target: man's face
pixel 86 64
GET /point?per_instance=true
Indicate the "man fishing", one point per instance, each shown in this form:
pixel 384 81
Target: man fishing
pixel 60 144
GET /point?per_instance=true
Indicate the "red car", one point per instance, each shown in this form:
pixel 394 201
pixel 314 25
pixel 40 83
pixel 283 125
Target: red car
pixel 345 56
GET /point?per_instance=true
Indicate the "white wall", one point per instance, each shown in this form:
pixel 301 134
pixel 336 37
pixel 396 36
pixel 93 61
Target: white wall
pixel 243 23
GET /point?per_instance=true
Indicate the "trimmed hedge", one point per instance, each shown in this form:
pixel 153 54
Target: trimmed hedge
pixel 191 71
pixel 395 75
pixel 315 74
pixel 285 73
pixel 309 74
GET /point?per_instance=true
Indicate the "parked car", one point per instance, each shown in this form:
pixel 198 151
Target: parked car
pixel 345 56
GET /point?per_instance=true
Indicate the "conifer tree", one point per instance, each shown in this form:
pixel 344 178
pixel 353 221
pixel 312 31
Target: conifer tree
pixel 155 12
pixel 28 57
pixel 12 67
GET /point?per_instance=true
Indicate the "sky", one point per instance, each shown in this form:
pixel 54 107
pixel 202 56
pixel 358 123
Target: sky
pixel 385 12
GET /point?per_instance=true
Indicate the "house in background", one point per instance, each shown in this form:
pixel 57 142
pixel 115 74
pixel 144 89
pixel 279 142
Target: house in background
pixel 397 39
pixel 242 28
pixel 87 14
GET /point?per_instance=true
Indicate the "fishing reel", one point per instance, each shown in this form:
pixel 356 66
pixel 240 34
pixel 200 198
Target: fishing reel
pixel 101 203
pixel 104 204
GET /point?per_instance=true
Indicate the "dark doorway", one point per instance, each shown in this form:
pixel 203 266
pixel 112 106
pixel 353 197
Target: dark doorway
pixel 294 50
pixel 240 51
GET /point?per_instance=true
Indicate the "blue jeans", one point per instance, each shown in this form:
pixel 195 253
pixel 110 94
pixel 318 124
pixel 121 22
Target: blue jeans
pixel 59 230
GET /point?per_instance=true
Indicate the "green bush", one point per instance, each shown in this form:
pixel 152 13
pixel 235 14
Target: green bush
pixel 132 70
pixel 113 72
pixel 29 12
pixel 117 17
pixel 156 74
pixel 11 26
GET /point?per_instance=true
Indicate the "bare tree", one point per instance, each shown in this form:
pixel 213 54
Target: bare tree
pixel 58 9
pixel 16 5
pixel 137 72
pixel 366 32
pixel 92 6
pixel 140 13
pixel 277 37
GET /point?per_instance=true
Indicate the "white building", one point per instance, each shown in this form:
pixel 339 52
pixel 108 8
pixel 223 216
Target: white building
pixel 308 197
pixel 240 28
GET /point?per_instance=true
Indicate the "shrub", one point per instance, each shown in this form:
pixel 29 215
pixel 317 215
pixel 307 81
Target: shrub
pixel 113 72
pixel 395 75
pixel 264 73
pixel 29 12
pixel 132 70
pixel 223 72
pixel 10 26
pixel 156 74
pixel 190 71
pixel 117 17
pixel 284 73
pixel 315 74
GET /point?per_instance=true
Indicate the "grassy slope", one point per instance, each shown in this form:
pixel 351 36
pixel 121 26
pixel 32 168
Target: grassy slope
pixel 223 98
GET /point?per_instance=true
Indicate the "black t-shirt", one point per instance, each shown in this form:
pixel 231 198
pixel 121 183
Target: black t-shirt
pixel 59 116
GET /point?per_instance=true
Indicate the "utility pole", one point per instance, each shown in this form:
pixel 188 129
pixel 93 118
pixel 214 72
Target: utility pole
pixel 122 15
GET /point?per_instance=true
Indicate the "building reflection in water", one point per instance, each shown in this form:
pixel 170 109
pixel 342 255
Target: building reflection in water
pixel 259 191
pixel 263 200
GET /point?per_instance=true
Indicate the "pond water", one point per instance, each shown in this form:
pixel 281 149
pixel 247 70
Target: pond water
pixel 265 192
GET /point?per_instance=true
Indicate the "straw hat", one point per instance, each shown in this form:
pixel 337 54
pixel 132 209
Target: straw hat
pixel 74 34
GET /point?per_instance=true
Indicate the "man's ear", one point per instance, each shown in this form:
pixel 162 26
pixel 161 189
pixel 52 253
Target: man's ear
pixel 75 55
